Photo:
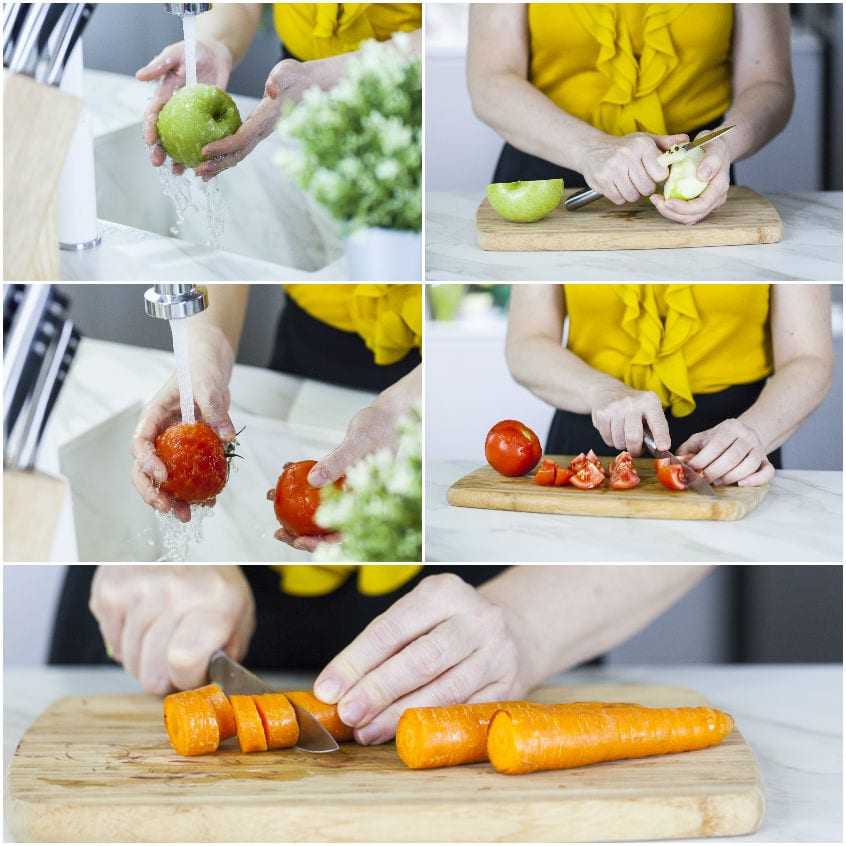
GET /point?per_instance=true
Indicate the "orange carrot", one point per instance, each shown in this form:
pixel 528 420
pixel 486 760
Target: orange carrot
pixel 191 723
pixel 444 736
pixel 525 740
pixel 248 724
pixel 325 713
pixel 223 710
pixel 278 719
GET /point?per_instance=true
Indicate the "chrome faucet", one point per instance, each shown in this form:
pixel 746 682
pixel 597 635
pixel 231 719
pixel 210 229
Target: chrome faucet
pixel 173 301
pixel 187 10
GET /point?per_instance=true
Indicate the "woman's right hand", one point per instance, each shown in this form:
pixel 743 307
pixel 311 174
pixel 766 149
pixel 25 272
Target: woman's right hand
pixel 211 367
pixel 626 168
pixel 618 412
pixel 163 623
pixel 214 64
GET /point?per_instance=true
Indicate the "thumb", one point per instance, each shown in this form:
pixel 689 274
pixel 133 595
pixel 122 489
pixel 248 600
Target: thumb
pixel 709 166
pixel 158 65
pixel 667 141
pixel 333 466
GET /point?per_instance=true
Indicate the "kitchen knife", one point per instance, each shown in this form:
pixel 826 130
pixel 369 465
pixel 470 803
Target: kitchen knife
pixel 582 198
pixel 72 28
pixel 235 679
pixel 694 481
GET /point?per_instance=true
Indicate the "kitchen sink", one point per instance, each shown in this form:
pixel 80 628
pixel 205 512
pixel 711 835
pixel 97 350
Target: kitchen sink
pixel 266 216
pixel 113 524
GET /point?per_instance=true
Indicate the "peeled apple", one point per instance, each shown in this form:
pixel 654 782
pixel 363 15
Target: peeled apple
pixel 682 183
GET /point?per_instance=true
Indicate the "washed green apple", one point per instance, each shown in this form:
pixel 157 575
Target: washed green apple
pixel 526 201
pixel 195 116
pixel 683 183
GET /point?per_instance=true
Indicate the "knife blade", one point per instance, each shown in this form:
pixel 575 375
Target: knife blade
pixel 695 482
pixel 235 679
pixel 588 195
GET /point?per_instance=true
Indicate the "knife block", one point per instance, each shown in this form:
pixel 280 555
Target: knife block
pixel 32 505
pixel 38 125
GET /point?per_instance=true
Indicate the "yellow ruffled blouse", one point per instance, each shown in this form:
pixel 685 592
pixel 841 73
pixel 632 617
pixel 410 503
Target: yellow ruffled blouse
pixel 320 579
pixel 676 340
pixel 388 317
pixel 634 67
pixel 320 30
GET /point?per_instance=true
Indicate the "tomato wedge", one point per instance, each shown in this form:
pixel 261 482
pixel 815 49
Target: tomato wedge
pixel 670 475
pixel 562 476
pixel 622 472
pixel 546 473
pixel 593 459
pixel 588 476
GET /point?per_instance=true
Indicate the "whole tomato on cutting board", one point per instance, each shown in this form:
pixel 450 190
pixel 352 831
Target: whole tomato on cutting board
pixel 295 501
pixel 512 448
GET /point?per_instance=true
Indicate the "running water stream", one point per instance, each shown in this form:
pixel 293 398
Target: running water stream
pixel 189 36
pixel 179 330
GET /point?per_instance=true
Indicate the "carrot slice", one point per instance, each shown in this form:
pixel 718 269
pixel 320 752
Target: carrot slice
pixel 525 740
pixel 278 719
pixel 324 712
pixel 448 735
pixel 248 724
pixel 191 723
pixel 217 699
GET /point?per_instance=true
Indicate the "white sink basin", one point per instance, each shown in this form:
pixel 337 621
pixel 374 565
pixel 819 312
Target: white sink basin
pixel 113 524
pixel 266 216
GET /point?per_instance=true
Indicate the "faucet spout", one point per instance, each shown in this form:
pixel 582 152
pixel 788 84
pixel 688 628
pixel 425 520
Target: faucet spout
pixel 187 10
pixel 174 301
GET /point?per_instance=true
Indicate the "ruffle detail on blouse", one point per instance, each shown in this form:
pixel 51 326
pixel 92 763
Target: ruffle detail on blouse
pixel 340 27
pixel 320 579
pixel 631 102
pixel 389 319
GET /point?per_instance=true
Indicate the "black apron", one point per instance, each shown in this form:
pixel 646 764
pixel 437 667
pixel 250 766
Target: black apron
pixel 292 632
pixel 570 434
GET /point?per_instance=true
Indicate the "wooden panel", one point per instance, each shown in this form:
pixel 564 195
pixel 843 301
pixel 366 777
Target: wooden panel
pixel 100 768
pixel 485 488
pixel 746 218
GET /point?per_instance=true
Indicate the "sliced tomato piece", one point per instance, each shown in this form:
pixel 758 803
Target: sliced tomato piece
pixel 670 475
pixel 589 476
pixel 623 460
pixel 593 459
pixel 546 473
pixel 562 476
pixel 624 478
pixel 578 462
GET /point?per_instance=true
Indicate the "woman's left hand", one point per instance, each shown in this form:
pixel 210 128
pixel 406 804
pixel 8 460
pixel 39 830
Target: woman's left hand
pixel 729 453
pixel 714 167
pixel 288 80
pixel 440 644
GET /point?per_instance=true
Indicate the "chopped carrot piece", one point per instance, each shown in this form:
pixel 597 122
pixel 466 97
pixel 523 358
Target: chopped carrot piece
pixel 248 724
pixel 278 719
pixel 324 712
pixel 191 723
pixel 525 740
pixel 217 699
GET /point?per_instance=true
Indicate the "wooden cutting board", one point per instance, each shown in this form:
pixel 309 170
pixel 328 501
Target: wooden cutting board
pixel 746 218
pixel 485 488
pixel 100 768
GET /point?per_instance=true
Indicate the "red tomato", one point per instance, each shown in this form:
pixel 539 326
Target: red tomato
pixel 196 460
pixel 546 473
pixel 512 448
pixel 588 476
pixel 562 476
pixel 623 459
pixel 670 475
pixel 591 457
pixel 578 462
pixel 295 500
pixel 622 472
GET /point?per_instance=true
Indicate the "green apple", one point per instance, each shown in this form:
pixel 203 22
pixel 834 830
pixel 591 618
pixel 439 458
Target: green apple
pixel 527 201
pixel 683 183
pixel 195 116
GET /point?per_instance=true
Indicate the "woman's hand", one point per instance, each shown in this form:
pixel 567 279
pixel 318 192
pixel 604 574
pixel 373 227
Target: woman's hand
pixel 211 366
pixel 729 452
pixel 164 622
pixel 618 412
pixel 214 64
pixel 714 167
pixel 288 80
pixel 440 644
pixel 626 168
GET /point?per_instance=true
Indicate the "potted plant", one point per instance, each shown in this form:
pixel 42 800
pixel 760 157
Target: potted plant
pixel 359 154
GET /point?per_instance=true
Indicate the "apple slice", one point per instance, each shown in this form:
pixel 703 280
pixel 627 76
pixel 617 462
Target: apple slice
pixel 683 183
pixel 526 201
pixel 195 116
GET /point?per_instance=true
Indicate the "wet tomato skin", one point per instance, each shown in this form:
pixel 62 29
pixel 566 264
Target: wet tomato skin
pixel 196 461
pixel 512 448
pixel 296 501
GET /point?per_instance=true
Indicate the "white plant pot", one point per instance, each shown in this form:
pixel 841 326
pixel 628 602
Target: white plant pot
pixel 384 255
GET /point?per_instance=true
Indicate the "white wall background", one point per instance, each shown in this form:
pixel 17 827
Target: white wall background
pixel 30 594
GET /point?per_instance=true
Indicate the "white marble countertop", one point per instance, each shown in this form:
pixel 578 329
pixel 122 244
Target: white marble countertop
pixel 791 716
pixel 87 440
pixel 114 102
pixel 801 519
pixel 812 248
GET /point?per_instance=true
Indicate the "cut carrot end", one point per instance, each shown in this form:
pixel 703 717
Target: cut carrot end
pixel 222 709
pixel 248 724
pixel 191 723
pixel 324 712
pixel 278 720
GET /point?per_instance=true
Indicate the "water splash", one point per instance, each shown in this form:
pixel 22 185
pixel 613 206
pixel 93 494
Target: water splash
pixel 189 35
pixel 177 537
pixel 179 330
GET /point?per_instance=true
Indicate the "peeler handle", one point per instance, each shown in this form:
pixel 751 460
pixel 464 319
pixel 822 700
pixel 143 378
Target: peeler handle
pixel 581 198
